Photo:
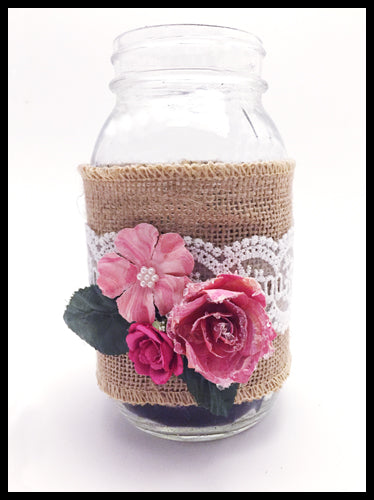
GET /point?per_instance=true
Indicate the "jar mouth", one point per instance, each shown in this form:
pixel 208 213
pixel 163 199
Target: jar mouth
pixel 143 52
pixel 137 37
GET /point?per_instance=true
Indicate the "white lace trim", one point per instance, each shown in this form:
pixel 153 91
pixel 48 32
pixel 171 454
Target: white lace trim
pixel 267 260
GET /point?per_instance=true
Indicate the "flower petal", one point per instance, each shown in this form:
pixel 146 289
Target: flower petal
pixel 133 339
pixel 168 291
pixel 140 367
pixel 151 352
pixel 219 295
pixel 170 256
pixel 181 320
pixel 137 243
pixel 165 338
pixel 116 274
pixel 145 330
pixel 136 304
pixel 167 354
pixel 177 365
pixel 238 283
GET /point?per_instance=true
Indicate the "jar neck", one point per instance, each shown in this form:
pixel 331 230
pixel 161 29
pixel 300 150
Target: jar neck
pixel 176 60
pixel 134 90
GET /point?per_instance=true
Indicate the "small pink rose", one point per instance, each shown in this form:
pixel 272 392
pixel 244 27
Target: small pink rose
pixel 152 353
pixel 147 269
pixel 222 328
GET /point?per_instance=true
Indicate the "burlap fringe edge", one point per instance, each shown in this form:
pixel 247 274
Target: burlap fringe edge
pixel 199 170
pixel 244 394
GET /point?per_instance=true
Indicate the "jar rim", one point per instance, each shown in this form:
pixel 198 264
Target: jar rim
pixel 136 37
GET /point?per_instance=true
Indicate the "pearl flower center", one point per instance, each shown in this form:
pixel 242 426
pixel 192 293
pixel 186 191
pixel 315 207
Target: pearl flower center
pixel 147 277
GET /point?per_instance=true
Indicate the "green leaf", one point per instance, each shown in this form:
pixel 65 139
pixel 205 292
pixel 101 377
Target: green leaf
pixel 207 394
pixel 95 319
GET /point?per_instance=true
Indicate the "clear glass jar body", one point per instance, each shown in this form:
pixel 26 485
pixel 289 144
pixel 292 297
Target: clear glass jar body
pixel 189 92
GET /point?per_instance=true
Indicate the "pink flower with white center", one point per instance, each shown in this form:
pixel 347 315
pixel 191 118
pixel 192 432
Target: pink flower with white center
pixel 147 270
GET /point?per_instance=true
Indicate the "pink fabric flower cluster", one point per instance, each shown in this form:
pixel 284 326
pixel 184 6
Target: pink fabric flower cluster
pixel 220 325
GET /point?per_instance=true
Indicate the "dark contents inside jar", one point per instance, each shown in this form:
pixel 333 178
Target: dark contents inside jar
pixel 191 416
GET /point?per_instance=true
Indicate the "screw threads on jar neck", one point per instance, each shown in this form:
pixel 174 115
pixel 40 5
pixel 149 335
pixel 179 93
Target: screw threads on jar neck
pixel 185 56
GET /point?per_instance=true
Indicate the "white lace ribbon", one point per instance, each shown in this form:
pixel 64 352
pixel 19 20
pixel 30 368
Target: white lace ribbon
pixel 267 260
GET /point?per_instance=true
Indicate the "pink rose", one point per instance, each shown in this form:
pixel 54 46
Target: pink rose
pixel 222 328
pixel 152 353
pixel 147 269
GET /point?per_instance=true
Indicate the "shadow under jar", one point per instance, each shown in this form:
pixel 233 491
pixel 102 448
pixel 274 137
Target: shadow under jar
pixel 196 146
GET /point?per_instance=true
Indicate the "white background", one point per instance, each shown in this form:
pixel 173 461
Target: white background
pixel 64 433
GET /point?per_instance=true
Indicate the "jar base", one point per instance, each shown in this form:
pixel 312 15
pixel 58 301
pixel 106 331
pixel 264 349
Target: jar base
pixel 191 423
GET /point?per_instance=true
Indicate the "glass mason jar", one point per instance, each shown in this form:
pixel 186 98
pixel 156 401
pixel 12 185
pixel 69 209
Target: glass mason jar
pixel 189 93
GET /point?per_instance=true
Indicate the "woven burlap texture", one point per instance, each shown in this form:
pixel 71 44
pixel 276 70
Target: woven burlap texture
pixel 218 202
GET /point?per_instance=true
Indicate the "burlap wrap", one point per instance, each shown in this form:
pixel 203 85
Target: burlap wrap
pixel 218 202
